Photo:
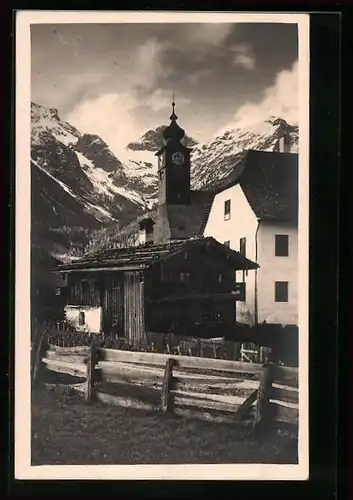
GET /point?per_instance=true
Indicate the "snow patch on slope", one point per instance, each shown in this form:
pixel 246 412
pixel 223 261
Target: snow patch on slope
pixel 91 207
pixel 103 181
pixel 46 121
pixel 140 162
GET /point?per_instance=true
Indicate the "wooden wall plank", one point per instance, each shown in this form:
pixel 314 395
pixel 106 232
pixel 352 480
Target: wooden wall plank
pixel 119 372
pixel 67 357
pixel 285 375
pixel 186 379
pixel 213 398
pixel 285 394
pixel 68 350
pixel 182 361
pixel 131 390
pixel 76 370
pixel 285 414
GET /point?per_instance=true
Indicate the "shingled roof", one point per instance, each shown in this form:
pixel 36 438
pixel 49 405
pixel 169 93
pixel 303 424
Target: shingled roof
pixel 148 254
pixel 269 181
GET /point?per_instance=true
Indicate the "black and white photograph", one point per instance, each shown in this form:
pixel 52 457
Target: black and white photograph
pixel 161 245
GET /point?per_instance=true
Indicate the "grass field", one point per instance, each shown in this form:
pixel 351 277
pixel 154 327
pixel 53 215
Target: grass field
pixel 67 431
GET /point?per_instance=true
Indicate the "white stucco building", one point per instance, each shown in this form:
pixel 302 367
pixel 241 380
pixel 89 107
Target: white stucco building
pixel 255 211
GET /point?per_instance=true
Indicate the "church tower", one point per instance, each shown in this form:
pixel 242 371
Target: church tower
pixel 173 166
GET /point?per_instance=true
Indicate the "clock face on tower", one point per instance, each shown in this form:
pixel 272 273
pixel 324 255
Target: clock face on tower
pixel 178 158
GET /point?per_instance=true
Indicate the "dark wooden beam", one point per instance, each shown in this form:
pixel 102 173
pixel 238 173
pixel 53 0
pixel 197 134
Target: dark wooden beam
pixel 95 269
pixel 195 296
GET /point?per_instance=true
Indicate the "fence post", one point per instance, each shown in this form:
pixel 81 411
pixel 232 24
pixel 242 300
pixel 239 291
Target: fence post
pixel 264 355
pixel 199 348
pixel 91 364
pixel 167 385
pixel 40 350
pixel 262 413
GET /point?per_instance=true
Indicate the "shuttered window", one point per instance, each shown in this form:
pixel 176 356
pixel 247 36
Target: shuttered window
pixel 227 210
pixel 81 318
pixel 281 245
pixel 281 291
pixel 242 246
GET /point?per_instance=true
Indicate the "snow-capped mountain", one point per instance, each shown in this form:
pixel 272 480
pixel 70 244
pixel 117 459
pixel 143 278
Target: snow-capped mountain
pixel 213 161
pixel 152 141
pixel 83 165
pixel 140 162
pixel 78 181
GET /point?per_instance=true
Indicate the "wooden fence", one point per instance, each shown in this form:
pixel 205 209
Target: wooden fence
pixel 62 335
pixel 209 389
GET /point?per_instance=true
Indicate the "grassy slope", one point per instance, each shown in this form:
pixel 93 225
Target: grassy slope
pixel 67 431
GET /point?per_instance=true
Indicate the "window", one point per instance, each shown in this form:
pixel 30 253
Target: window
pixel 281 291
pixel 227 210
pixel 220 278
pixel 281 245
pixel 242 246
pixel 81 318
pixel 227 243
pixel 185 277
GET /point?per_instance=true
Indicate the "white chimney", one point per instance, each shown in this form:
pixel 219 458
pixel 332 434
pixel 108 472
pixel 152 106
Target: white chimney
pixel 146 231
pixel 284 144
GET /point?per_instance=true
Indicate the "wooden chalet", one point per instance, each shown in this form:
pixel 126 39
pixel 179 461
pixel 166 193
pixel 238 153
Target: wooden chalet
pixel 164 276
pixel 185 287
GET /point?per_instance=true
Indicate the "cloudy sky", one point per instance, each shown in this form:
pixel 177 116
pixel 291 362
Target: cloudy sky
pixel 116 80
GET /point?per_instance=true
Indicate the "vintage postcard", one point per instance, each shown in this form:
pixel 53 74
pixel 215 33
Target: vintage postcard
pixel 162 194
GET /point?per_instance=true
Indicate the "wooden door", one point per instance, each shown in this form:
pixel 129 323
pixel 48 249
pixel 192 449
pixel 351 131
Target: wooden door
pixel 134 308
pixel 113 305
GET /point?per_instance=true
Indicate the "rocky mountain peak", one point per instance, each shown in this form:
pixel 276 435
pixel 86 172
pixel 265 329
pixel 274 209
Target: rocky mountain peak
pixel 283 124
pixel 152 140
pixel 78 180
pixel 97 151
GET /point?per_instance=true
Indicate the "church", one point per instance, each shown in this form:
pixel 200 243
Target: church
pixel 181 213
pixel 164 276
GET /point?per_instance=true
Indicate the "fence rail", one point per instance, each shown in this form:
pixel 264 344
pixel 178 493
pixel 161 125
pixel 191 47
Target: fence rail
pixel 63 335
pixel 212 389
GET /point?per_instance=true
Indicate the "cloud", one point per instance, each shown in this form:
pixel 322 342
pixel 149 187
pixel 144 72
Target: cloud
pixel 195 77
pixel 243 56
pixel 52 91
pixel 196 41
pixel 148 64
pixel 207 33
pixel 111 117
pixel 279 100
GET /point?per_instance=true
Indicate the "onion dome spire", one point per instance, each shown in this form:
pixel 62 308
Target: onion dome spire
pixel 173 131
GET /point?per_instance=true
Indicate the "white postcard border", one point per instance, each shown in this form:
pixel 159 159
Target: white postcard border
pixel 23 468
